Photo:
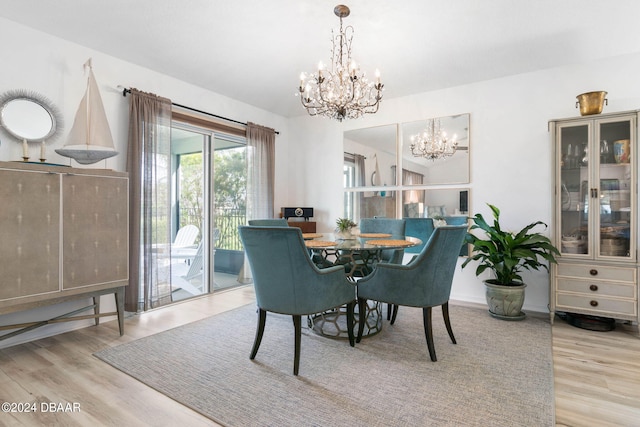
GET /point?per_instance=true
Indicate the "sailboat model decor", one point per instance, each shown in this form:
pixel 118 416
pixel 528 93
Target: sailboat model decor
pixel 90 138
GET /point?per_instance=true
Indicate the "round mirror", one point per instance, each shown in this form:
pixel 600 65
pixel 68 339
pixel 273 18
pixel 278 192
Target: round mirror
pixel 28 116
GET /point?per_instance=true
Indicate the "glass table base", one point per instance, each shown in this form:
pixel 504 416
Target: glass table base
pixel 333 323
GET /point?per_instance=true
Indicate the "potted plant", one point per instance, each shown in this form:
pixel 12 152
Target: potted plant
pixel 507 254
pixel 439 221
pixel 343 227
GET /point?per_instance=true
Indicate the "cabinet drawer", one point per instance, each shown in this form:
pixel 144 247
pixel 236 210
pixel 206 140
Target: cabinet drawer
pixel 597 288
pixel 597 305
pixel 598 272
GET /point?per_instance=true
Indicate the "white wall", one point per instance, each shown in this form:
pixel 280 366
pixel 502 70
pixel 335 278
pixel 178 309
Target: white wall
pixel 511 152
pixel 54 68
pixel 510 146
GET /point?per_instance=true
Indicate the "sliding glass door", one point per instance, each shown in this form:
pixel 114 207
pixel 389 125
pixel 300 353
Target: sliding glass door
pixel 208 202
pixel 190 217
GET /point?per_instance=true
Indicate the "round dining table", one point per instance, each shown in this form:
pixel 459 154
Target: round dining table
pixel 359 255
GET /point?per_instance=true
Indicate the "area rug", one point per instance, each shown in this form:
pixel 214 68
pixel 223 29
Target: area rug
pixel 499 374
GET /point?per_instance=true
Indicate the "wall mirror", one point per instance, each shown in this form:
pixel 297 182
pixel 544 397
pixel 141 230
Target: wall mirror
pixel 370 154
pixel 374 187
pixel 29 116
pixel 430 203
pixel 450 204
pixel 454 169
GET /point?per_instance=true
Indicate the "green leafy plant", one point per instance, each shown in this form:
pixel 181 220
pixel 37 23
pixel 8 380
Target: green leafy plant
pixel 506 254
pixel 344 224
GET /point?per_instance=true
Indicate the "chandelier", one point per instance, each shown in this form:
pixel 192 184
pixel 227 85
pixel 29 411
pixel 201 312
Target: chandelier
pixel 433 143
pixel 341 92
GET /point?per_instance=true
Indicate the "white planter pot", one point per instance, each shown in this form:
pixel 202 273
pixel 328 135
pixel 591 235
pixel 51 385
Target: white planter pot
pixel 505 302
pixel 344 235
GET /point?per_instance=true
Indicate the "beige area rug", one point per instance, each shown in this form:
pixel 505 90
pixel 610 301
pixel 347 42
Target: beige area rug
pixel 499 374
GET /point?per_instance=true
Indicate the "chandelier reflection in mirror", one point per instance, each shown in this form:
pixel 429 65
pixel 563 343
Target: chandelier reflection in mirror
pixel 341 92
pixel 433 143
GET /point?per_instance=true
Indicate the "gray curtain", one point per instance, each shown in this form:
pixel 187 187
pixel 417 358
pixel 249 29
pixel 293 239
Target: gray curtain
pixel 361 180
pixel 412 178
pixel 148 164
pixel 261 171
pixel 360 171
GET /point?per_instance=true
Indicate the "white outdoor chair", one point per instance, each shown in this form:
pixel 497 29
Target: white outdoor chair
pixel 186 237
pixel 184 245
pixel 185 281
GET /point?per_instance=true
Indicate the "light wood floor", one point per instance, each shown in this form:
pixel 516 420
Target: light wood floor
pixel 597 374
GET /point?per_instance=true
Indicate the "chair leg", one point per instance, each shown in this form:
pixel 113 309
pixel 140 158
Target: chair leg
pixel 362 316
pixel 426 318
pixel 262 317
pixel 297 324
pixel 445 314
pixel 351 322
pixel 389 311
pixel 395 313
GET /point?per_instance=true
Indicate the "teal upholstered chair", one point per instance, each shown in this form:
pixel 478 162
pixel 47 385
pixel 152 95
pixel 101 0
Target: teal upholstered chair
pixel 287 282
pixel 281 222
pixel 425 282
pixel 459 220
pixel 270 222
pixel 456 220
pixel 422 228
pixel 395 227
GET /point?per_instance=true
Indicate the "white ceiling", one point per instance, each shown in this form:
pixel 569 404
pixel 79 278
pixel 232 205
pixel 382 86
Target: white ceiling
pixel 254 51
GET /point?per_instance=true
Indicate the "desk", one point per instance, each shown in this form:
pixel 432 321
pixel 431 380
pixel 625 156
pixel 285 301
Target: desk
pixel 359 255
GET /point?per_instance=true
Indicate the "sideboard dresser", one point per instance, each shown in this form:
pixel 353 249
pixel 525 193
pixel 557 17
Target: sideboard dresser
pixel 64 235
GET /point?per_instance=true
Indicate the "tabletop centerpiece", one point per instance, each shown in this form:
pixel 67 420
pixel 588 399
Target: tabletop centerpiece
pixel 344 227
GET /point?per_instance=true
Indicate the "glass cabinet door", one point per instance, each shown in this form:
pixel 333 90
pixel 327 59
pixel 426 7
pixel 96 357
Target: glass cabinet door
pixel 615 178
pixel 596 198
pixel 575 183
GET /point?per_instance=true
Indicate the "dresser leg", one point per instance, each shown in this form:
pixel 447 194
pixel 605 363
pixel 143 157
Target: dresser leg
pixel 119 294
pixel 96 309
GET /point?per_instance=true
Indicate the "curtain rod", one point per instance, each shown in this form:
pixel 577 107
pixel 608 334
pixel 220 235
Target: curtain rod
pixel 125 91
pixel 354 154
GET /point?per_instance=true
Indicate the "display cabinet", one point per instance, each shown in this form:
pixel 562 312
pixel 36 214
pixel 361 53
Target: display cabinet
pixel 596 218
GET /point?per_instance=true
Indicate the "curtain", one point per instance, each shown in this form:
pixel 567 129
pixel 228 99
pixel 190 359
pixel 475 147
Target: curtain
pixel 361 180
pixel 412 178
pixel 148 164
pixel 361 177
pixel 358 166
pixel 261 171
